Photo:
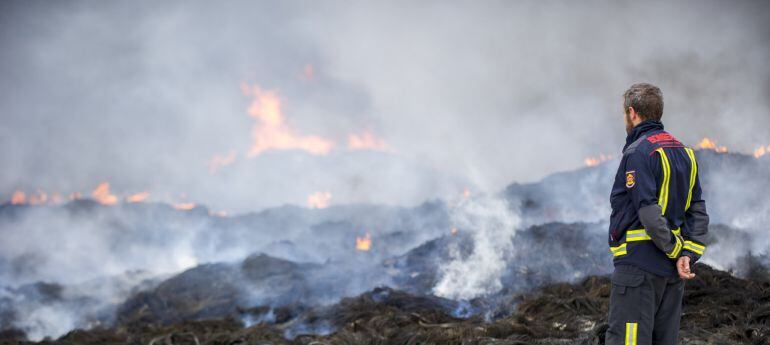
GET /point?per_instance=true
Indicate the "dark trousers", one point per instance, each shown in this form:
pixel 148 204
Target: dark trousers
pixel 645 308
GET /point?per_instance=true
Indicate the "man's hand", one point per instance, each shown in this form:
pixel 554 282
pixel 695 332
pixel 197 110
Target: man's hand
pixel 683 266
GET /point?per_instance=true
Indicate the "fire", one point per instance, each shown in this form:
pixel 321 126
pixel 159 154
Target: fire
pixel 184 206
pixel 39 198
pixel 319 200
pixel 138 197
pixel 708 144
pixel 18 198
pixel 272 132
pixel 366 141
pixel 364 243
pixel 466 193
pixel 454 231
pixel 102 194
pixel 76 196
pixel 219 161
pixel 594 161
pixel 761 151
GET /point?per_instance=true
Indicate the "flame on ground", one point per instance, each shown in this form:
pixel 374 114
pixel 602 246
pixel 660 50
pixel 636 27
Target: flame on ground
pixel 366 141
pixel 364 243
pixel 761 151
pixel 184 206
pixel 271 132
pixel 594 161
pixel 708 144
pixel 138 197
pixel 466 193
pixel 219 161
pixel 319 200
pixel 102 194
pixel 18 198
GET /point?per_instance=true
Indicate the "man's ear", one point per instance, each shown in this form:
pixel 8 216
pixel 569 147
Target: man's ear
pixel 632 114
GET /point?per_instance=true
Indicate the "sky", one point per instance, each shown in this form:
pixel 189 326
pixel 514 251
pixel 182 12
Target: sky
pixel 243 105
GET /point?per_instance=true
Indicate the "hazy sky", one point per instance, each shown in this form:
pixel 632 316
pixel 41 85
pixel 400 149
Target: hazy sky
pixel 143 95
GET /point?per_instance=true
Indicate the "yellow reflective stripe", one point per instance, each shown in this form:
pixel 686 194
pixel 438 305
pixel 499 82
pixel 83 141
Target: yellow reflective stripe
pixel 694 247
pixel 641 235
pixel 637 235
pixel 693 173
pixel 663 197
pixel 631 333
pixel 619 250
pixel 677 248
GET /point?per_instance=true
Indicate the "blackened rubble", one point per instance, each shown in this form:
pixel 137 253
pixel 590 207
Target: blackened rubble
pixel 719 309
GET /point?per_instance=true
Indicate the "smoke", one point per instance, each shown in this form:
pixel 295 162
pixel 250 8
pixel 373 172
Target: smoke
pixel 144 95
pixel 493 226
pixel 148 97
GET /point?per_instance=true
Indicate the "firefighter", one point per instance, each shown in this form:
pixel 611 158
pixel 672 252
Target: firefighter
pixel 657 226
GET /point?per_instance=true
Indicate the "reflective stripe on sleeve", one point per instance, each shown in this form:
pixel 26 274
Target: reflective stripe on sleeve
pixel 693 174
pixel 663 197
pixel 694 247
pixel 677 248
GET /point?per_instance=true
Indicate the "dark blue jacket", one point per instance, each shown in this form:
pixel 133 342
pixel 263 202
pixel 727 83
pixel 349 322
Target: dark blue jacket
pixel 658 213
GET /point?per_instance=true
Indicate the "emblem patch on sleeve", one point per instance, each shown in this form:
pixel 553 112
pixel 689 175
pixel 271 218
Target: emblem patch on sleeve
pixel 630 178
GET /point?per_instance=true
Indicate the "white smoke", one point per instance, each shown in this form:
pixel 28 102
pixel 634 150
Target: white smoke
pixel 493 225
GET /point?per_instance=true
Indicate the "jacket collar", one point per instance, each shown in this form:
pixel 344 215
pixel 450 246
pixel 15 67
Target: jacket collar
pixel 642 128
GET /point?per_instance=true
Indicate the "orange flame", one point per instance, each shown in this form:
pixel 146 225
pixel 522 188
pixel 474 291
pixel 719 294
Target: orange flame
pixel 319 200
pixel 466 193
pixel 219 161
pixel 708 144
pixel 761 151
pixel 138 197
pixel 38 199
pixel 454 231
pixel 76 196
pixel 102 194
pixel 366 141
pixel 594 161
pixel 185 206
pixel 364 243
pixel 18 198
pixel 272 132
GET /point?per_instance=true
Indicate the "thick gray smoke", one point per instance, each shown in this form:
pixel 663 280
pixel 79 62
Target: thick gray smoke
pixel 441 97
pixel 144 95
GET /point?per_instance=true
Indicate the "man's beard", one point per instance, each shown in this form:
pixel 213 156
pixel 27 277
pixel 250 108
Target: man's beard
pixel 629 124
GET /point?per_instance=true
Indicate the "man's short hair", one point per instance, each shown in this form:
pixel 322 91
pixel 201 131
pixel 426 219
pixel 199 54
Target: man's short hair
pixel 646 99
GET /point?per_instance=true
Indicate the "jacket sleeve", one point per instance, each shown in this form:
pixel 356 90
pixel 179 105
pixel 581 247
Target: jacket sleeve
pixel 645 173
pixel 696 225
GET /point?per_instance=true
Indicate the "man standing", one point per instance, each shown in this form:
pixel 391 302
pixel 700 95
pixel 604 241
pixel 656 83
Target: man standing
pixel 657 227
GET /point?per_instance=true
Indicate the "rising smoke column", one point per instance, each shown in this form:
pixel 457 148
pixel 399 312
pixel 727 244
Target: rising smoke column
pixel 493 225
